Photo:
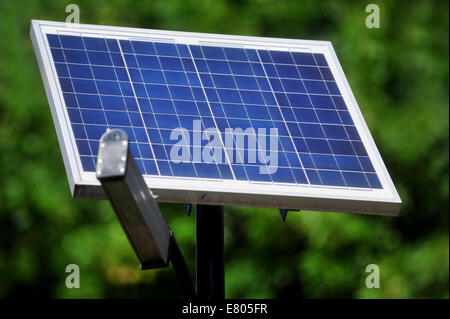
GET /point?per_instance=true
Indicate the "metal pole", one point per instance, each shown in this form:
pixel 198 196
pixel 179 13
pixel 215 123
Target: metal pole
pixel 210 252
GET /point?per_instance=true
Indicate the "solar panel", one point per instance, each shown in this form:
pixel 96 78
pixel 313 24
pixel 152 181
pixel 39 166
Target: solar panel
pixel 214 119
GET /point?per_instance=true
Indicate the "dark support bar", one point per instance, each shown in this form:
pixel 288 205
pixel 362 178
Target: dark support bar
pixel 284 212
pixel 181 270
pixel 188 209
pixel 210 252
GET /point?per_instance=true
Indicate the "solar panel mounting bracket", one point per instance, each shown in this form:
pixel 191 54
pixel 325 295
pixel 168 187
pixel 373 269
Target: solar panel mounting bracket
pixel 284 211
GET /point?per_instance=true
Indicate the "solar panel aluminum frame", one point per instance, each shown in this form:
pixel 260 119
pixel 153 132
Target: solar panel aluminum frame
pixel 385 201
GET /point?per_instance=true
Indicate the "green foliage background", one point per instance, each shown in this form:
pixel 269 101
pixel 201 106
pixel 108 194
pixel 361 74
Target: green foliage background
pixel 399 74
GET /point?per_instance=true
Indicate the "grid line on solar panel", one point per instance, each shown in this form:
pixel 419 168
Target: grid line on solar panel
pixel 244 97
pixel 256 76
pixel 286 145
pixel 157 155
pixel 347 165
pixel 199 169
pixel 237 133
pixel 235 167
pixel 228 160
pixel 299 110
pixel 342 159
pixel 321 112
pixel 290 135
pixel 141 152
pixel 334 179
pixel 136 150
pixel 87 161
pixel 195 86
pixel 244 110
pixel 348 137
pixel 150 166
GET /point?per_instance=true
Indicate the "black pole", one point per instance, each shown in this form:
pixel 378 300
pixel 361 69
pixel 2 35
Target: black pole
pixel 210 252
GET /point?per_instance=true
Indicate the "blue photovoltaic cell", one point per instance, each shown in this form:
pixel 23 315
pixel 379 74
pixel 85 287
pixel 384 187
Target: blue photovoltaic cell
pixel 150 89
